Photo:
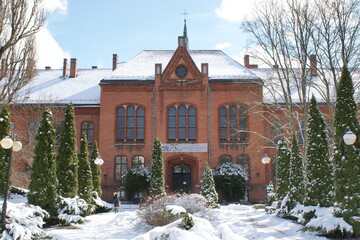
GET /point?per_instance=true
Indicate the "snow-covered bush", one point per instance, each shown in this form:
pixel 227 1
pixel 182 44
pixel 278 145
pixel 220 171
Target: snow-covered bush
pixel 136 180
pixel 73 210
pixel 230 179
pixel 100 205
pixel 155 213
pixel 23 221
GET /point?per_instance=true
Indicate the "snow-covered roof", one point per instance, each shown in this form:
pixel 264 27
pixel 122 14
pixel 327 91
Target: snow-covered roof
pixel 221 66
pixel 49 86
pixel 273 93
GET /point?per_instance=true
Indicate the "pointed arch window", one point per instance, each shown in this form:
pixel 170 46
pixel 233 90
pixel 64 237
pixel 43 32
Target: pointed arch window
pixel 182 123
pixel 232 123
pixel 130 123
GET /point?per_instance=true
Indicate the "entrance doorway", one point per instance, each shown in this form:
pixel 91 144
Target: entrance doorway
pixel 181 178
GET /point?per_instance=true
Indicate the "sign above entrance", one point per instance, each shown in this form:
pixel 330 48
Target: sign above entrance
pixel 185 147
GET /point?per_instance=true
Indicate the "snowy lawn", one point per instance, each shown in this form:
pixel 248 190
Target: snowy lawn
pixel 233 222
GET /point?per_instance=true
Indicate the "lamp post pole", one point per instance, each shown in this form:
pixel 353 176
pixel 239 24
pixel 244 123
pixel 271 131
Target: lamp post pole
pixel 8 143
pixel 265 160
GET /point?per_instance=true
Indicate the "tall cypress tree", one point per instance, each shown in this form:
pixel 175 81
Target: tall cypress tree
pixel 5 128
pixel 346 158
pixel 318 164
pixel 157 181
pixel 43 181
pixel 67 162
pixel 95 170
pixel 208 187
pixel 282 161
pixel 84 171
pixel 297 184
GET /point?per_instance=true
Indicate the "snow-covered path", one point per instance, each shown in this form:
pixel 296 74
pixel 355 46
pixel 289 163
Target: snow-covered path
pixel 233 222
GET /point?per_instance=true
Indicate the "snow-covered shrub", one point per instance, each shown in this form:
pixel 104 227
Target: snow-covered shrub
pixel 73 210
pixel 230 179
pixel 155 212
pixel 23 221
pixel 100 205
pixel 19 191
pixel 136 180
pixel 208 188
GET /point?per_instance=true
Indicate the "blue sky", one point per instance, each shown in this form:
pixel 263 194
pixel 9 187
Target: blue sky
pixel 92 30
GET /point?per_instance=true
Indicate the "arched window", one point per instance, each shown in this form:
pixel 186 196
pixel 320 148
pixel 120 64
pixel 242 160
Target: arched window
pixel 130 123
pixel 232 123
pixel 120 167
pixel 243 160
pixel 182 123
pixel 138 161
pixel 225 159
pixel 88 129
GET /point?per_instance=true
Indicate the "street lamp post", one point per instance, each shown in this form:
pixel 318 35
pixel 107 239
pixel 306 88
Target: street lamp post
pixel 265 160
pixel 8 143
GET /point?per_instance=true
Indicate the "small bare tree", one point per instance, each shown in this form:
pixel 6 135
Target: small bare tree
pixel 20 20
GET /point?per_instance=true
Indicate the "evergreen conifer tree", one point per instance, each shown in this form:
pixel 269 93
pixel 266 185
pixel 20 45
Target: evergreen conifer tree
pixel 43 181
pixel 95 170
pixel 84 171
pixel 282 161
pixel 297 184
pixel 67 161
pixel 318 164
pixel 346 158
pixel 5 128
pixel 157 182
pixel 208 187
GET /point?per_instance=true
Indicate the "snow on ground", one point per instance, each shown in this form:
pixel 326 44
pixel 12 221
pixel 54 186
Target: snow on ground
pixel 232 222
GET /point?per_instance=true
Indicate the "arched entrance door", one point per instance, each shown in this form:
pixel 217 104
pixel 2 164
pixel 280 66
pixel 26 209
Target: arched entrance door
pixel 181 178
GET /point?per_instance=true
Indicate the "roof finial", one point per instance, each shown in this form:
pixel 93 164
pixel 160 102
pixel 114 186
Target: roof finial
pixel 185 31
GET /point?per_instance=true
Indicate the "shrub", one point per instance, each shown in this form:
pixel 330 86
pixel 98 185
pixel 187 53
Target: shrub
pixel 73 210
pixel 230 180
pixel 154 213
pixel 136 180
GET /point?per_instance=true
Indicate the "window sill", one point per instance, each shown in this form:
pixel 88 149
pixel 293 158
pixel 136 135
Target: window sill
pixel 181 141
pixel 129 142
pixel 245 142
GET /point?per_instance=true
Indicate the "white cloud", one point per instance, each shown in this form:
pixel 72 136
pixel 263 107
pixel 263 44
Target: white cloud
pixel 55 5
pixel 235 10
pixel 222 46
pixel 49 51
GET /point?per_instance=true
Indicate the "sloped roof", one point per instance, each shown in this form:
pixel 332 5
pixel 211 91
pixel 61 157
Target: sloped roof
pixel 50 87
pixel 221 66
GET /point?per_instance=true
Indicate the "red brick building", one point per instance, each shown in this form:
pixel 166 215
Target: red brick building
pixel 203 105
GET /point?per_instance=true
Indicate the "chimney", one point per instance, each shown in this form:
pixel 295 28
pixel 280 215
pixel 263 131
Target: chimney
pixel 93 67
pixel 247 62
pixel 65 67
pixel 181 41
pixel 73 67
pixel 3 67
pixel 313 63
pixel 115 61
pixel 47 67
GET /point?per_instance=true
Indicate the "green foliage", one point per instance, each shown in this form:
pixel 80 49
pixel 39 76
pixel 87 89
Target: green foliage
pixel 95 170
pixel 318 165
pixel 4 153
pixel 282 170
pixel 346 158
pixel 67 162
pixel 187 222
pixel 136 180
pixel 157 181
pixel 43 180
pixel 84 172
pixel 208 187
pixel 230 179
pixel 297 184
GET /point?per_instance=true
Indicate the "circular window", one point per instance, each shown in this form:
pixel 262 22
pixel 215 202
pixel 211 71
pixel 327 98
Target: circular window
pixel 181 71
